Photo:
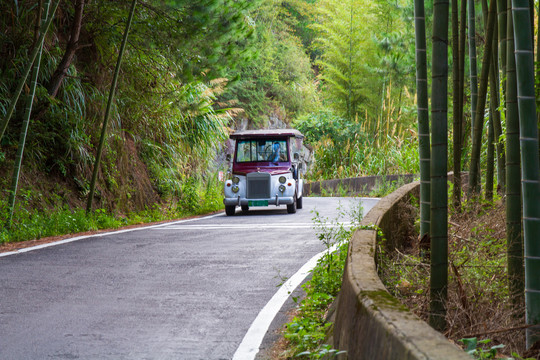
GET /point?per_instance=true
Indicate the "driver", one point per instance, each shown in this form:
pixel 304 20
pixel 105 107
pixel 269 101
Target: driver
pixel 274 157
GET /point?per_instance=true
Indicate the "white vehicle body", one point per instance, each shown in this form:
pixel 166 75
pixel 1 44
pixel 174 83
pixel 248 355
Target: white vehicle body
pixel 265 171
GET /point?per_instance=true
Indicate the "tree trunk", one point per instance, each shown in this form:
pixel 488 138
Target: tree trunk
pixel 423 115
pixel 39 22
pixel 497 131
pixel 474 174
pixel 538 74
pixel 456 120
pixel 494 103
pixel 513 177
pixel 439 158
pixel 462 40
pixel 502 21
pixel 530 174
pixel 472 63
pixel 490 165
pixel 71 47
pixel 107 110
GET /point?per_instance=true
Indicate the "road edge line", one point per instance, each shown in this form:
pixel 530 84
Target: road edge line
pixel 251 343
pixel 77 238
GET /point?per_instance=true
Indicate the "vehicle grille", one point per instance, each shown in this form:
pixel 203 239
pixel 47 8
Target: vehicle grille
pixel 258 185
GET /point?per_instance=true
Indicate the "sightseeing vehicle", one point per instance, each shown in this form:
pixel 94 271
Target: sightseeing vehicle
pixel 265 170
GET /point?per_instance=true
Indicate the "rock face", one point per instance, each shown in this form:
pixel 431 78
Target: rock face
pixel 273 121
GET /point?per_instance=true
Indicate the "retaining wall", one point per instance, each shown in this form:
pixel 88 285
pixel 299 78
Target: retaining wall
pixel 369 322
pixel 359 186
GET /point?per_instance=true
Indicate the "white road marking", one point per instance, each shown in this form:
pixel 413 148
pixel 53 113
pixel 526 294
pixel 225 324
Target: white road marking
pixel 251 226
pixel 249 347
pixel 65 241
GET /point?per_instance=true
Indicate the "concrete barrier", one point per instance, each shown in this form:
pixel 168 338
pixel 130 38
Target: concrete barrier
pixel 369 322
pixel 355 186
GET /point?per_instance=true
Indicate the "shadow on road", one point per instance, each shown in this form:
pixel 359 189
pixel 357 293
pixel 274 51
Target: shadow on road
pixel 253 212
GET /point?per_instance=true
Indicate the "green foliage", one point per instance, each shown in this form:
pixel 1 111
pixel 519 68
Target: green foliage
pixel 309 328
pixel 365 47
pixel 473 347
pixel 201 38
pixel 179 137
pixel 317 126
pixel 365 61
pixel 478 261
pixel 346 55
pixel 322 352
pixel 59 141
pixel 344 149
pixel 280 78
pixel 165 98
pixel 385 187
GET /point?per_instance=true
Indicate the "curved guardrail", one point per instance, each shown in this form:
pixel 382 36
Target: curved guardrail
pixel 369 322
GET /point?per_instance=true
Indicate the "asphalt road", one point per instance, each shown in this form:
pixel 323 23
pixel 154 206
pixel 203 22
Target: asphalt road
pixel 185 290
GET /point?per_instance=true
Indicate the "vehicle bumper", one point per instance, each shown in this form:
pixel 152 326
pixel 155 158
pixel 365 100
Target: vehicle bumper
pixel 277 200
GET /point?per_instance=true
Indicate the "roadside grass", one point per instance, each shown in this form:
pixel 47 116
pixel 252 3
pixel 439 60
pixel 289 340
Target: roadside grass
pixel 306 332
pixel 31 223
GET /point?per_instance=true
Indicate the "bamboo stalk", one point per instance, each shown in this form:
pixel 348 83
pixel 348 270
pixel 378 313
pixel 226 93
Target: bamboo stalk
pixel 474 174
pixel 423 115
pixel 456 106
pixel 530 174
pixel 26 121
pixel 439 159
pixel 107 111
pixel 514 239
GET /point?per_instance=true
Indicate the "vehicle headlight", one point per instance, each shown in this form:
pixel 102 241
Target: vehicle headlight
pixel 282 188
pixel 236 180
pixel 235 189
pixel 282 179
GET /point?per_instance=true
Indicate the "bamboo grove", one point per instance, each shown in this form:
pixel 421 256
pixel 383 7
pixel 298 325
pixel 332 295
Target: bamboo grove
pixel 502 124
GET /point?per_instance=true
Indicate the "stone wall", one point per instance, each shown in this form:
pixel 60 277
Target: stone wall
pixel 369 322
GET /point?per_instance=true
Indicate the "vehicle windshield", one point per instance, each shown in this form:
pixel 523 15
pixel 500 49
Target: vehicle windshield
pixel 261 150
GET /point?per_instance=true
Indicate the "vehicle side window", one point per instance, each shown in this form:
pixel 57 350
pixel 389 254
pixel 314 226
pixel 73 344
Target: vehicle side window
pixel 271 150
pixel 244 152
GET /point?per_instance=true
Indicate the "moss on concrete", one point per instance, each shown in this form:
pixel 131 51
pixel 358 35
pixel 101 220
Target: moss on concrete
pixel 383 299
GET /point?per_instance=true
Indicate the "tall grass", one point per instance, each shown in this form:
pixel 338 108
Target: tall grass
pixel 197 197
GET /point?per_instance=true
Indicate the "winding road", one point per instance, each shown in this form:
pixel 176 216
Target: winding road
pixel 204 288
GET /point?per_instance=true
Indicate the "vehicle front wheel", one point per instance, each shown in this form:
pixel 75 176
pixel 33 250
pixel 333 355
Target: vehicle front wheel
pixel 230 210
pixel 291 209
pixel 299 202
